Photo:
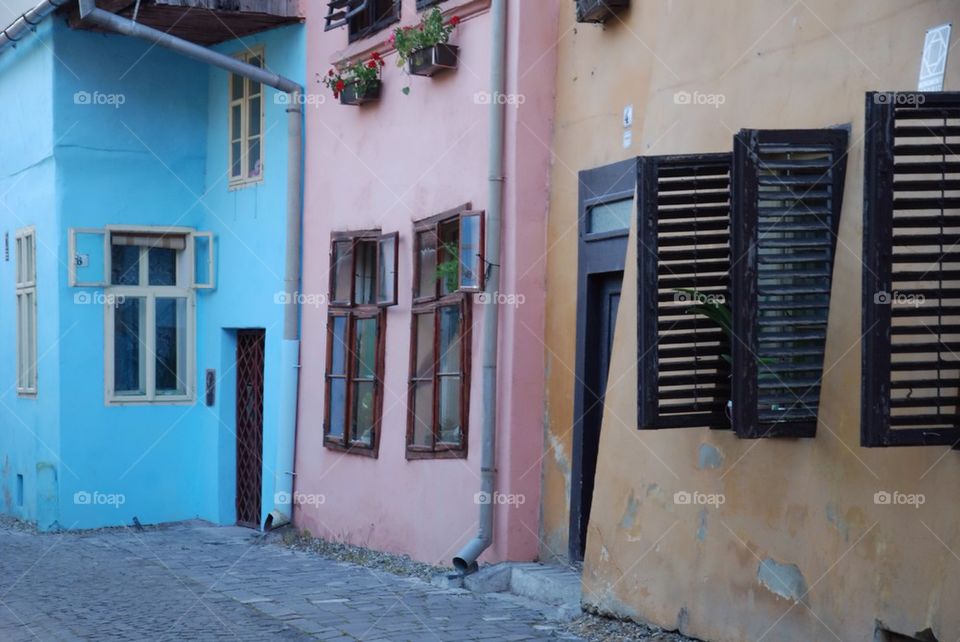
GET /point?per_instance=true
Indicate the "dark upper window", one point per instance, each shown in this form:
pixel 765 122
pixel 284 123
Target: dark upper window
pixel 911 274
pixel 362 17
pixel 363 273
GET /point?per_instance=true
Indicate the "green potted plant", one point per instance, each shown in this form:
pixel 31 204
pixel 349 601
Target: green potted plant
pixel 425 49
pixel 357 83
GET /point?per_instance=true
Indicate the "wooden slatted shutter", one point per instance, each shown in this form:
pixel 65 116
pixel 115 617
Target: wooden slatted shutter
pixel 683 254
pixel 911 275
pixel 787 196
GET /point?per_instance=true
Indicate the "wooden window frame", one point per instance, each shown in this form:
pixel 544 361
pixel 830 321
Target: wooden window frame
pixel 114 294
pixel 354 312
pixel 884 137
pixel 25 255
pixel 432 304
pixel 245 178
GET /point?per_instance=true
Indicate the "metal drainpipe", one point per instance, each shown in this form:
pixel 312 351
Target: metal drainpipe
pixel 10 36
pixel 290 349
pixel 466 560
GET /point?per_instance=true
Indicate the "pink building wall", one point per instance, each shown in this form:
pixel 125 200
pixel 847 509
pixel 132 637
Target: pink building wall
pixel 386 165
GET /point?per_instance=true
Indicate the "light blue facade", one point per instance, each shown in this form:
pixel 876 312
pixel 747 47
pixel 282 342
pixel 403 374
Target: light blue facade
pixel 159 158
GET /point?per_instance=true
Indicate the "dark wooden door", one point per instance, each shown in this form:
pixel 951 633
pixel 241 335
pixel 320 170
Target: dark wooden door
pixel 603 298
pixel 249 426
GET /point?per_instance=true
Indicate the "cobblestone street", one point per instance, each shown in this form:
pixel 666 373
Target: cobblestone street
pixel 198 582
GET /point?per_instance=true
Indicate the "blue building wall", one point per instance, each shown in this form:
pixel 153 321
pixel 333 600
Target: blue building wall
pixel 29 430
pixel 139 137
pixel 250 227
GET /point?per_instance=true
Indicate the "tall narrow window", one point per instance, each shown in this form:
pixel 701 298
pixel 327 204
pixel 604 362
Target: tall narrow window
pixel 26 269
pixel 439 390
pixel 911 274
pixel 246 124
pixel 150 318
pixel 363 273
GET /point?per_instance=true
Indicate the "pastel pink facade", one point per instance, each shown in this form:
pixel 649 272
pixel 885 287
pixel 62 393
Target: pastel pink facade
pixel 384 166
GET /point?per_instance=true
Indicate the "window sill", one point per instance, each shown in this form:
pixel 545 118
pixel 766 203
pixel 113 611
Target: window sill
pixel 363 451
pixel 361 49
pixel 178 401
pixel 413 455
pixel 235 185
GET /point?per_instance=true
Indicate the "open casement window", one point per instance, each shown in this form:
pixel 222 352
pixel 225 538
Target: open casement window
pixel 471 268
pixel 90 254
pixel 683 257
pixel 26 310
pixel 363 281
pixel 362 17
pixel 787 196
pixel 363 269
pixel 245 122
pixel 911 274
pixel 439 384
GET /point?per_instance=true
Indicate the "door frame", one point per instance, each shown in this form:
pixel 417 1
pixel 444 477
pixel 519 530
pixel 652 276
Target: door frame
pixel 597 253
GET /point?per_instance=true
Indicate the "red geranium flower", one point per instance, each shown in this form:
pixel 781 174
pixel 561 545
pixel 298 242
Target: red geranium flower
pixel 372 64
pixel 376 56
pixel 454 21
pixel 339 86
pixel 330 73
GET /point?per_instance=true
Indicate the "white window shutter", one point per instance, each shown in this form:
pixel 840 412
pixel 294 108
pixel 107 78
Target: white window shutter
pixel 204 267
pixel 88 257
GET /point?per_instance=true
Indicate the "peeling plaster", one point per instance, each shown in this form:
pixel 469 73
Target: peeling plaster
pixel 561 459
pixel 702 525
pixel 784 580
pixel 833 517
pixel 630 514
pixel 709 457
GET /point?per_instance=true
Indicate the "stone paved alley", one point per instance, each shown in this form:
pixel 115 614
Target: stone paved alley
pixel 198 582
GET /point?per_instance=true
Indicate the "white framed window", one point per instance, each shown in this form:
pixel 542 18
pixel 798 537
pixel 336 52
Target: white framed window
pixel 26 269
pixel 245 122
pixel 150 276
pixel 149 316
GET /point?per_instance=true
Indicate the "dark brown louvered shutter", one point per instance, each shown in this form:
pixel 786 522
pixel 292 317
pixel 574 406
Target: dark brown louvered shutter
pixel 787 197
pixel 339 12
pixel 911 276
pixel 683 251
